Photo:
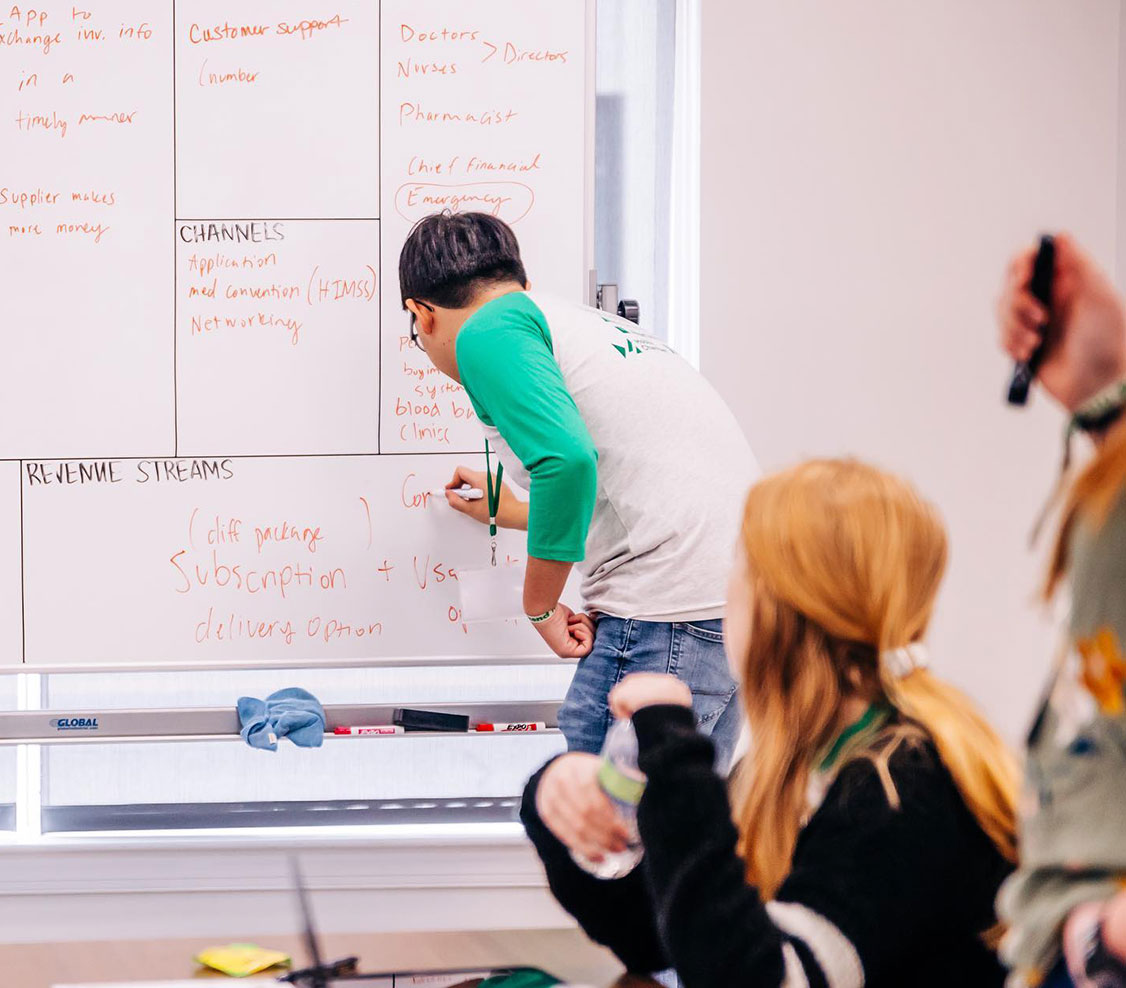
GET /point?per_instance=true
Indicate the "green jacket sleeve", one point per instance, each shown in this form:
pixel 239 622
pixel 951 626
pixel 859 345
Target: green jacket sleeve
pixel 506 364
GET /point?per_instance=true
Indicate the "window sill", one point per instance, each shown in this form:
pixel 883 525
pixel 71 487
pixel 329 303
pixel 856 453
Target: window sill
pixel 279 839
pixel 237 884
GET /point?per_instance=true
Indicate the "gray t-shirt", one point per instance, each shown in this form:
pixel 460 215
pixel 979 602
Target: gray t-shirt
pixel 673 465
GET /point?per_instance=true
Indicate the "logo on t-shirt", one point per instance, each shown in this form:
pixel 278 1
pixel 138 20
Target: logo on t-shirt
pixel 631 341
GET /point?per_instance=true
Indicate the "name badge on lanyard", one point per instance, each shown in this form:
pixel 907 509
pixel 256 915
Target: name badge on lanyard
pixel 492 593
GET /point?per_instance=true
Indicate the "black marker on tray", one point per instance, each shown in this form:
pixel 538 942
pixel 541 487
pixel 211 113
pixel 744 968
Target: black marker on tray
pixel 1041 288
pixel 430 720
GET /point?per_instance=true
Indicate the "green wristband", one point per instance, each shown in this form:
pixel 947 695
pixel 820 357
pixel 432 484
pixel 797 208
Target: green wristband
pixel 545 616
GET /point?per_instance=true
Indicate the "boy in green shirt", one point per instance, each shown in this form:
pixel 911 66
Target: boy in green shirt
pixel 636 469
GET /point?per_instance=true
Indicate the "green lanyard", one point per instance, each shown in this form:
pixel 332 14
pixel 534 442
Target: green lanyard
pixel 874 718
pixel 494 499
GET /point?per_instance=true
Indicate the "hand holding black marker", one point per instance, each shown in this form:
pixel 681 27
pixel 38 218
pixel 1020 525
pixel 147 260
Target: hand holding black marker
pixel 1040 287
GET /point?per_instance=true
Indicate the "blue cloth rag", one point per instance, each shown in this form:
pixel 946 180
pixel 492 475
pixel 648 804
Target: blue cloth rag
pixel 291 713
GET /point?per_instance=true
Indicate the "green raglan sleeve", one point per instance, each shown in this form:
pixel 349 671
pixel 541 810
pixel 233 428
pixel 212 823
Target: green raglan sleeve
pixel 506 364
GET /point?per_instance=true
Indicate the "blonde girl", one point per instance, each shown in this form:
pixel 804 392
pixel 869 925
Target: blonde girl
pixel 867 833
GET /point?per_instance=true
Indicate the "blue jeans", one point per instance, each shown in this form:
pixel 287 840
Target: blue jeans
pixel 693 652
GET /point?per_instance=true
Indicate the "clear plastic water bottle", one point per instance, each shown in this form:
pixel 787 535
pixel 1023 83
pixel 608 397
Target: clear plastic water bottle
pixel 623 782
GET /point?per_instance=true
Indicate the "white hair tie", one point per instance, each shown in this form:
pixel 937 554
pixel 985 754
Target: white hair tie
pixel 903 661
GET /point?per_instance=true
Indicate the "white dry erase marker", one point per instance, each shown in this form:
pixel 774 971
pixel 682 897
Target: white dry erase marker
pixel 465 493
pixel 376 729
pixel 520 727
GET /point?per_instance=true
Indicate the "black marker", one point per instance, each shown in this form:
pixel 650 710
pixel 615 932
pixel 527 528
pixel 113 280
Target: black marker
pixel 1041 288
pixel 429 720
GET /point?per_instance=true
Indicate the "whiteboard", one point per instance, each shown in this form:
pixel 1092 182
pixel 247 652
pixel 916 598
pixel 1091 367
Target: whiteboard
pixel 253 558
pixel 517 143
pixel 218 442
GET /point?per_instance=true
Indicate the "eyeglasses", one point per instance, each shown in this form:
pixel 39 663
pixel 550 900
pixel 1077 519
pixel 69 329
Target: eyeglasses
pixel 415 338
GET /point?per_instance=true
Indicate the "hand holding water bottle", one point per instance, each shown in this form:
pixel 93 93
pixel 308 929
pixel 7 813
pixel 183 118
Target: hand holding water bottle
pixel 575 809
pixel 590 803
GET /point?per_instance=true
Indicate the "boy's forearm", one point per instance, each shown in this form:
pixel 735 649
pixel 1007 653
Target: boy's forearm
pixel 543 584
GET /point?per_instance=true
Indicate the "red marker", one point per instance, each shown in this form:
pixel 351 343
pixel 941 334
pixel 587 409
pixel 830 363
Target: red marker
pixel 374 729
pixel 516 728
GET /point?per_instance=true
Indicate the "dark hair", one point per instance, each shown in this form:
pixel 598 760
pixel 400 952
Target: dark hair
pixel 449 257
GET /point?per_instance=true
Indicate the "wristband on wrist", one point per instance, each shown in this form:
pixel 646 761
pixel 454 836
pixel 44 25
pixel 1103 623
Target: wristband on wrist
pixel 545 616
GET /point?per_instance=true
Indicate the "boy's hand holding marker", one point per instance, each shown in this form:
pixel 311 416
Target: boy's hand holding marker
pixel 512 513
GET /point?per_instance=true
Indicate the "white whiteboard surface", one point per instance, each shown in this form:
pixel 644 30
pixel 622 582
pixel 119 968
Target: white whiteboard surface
pixel 85 247
pixel 516 88
pixel 281 119
pixel 230 340
pixel 277 341
pixel 251 559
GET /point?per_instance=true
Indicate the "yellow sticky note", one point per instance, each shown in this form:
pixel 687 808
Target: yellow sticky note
pixel 240 960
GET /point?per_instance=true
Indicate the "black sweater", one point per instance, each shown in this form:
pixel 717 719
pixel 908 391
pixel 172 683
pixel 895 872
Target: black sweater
pixel 876 896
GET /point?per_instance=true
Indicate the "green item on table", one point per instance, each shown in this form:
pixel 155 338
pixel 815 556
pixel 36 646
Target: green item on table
pixel 524 978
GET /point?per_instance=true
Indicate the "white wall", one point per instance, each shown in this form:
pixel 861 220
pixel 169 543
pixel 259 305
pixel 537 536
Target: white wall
pixel 867 168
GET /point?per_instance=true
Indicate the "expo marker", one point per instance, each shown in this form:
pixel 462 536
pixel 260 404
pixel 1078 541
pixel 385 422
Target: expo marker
pixel 514 728
pixel 372 729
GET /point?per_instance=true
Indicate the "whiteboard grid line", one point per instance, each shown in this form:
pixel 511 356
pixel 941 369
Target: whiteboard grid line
pixel 23 581
pixel 175 252
pixel 241 456
pixel 279 219
pixel 379 195
pixel 306 663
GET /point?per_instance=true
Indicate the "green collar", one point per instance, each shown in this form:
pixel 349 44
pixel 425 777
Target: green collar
pixel 858 732
pixel 1102 410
